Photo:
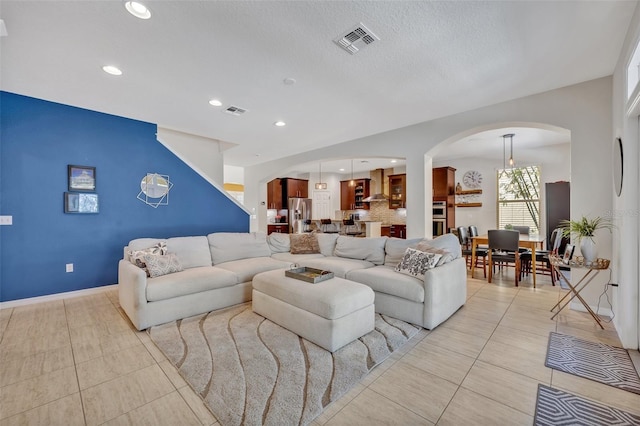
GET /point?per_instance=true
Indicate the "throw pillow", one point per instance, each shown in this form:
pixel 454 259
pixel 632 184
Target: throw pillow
pixel 137 256
pixel 162 264
pixel 445 255
pixel 304 243
pixel 415 262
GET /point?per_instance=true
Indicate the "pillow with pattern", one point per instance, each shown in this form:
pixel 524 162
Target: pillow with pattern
pixel 137 256
pixel 159 264
pixel 304 243
pixel 445 255
pixel 415 262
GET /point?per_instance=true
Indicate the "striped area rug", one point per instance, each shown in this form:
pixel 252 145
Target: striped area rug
pixel 596 361
pixel 555 407
pixel 251 371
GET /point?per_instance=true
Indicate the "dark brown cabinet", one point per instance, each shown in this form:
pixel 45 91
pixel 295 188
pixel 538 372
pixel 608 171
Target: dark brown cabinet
pixel 558 204
pixel 385 231
pixel 352 196
pixel 444 189
pixel 284 229
pixel 397 191
pixel 398 231
pixel 279 190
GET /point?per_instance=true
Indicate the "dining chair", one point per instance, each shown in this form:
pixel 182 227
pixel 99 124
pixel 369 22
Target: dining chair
pixel 473 232
pixel 542 256
pixel 503 249
pixel 522 229
pixel 466 243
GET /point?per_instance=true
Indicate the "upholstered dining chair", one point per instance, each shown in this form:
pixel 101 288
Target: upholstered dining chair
pixel 522 229
pixel 465 242
pixel 542 256
pixel 503 249
pixel 473 232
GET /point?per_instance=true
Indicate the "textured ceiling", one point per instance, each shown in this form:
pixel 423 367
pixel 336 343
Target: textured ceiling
pixel 433 59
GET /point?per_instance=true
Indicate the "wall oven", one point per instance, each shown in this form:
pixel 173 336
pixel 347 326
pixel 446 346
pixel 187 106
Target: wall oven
pixel 439 209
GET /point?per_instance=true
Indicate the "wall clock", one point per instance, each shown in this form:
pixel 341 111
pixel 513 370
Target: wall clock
pixel 472 179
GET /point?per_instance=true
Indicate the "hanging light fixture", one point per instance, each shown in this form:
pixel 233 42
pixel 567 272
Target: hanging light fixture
pixel 352 182
pixel 504 150
pixel 320 184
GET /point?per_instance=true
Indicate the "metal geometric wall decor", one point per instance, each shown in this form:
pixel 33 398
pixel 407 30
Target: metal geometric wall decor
pixel 154 190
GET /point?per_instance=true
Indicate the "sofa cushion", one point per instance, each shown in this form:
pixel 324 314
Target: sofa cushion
pixel 448 242
pixel 383 279
pixel 327 243
pixel 228 246
pixel 193 252
pixel 416 262
pixel 304 244
pixel 445 256
pixel 396 247
pixel 137 257
pixel 295 258
pixel 159 264
pixel 340 266
pixel 369 249
pixel 189 281
pixel 279 242
pixel 245 269
pixel 142 243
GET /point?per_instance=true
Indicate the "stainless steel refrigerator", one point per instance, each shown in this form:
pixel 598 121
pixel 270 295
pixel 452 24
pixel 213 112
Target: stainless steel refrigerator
pixel 299 215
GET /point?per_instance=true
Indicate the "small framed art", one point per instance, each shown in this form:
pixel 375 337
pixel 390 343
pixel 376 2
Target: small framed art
pixel 79 202
pixel 81 178
pixel 568 253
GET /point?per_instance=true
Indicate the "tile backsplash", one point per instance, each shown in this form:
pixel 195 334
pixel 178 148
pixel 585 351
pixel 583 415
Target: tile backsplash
pixel 379 212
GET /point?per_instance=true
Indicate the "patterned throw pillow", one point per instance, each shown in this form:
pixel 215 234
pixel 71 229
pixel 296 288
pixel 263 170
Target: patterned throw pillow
pixel 162 264
pixel 137 256
pixel 445 255
pixel 415 262
pixel 304 243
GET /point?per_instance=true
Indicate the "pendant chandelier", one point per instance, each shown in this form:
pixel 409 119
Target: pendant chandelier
pixel 504 150
pixel 320 184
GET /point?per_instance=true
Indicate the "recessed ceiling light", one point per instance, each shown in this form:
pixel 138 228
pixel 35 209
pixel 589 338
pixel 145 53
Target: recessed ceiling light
pixel 215 102
pixel 394 161
pixel 110 69
pixel 138 9
pixel 279 123
pixel 289 81
pixel 342 170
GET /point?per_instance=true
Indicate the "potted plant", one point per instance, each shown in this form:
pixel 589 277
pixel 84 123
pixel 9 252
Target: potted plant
pixel 583 231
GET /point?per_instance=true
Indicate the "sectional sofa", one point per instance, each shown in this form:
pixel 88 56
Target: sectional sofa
pixel 203 273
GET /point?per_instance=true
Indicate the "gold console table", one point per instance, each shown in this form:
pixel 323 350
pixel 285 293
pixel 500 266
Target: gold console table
pixel 592 271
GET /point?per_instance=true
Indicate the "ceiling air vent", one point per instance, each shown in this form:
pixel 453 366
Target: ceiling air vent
pixel 356 38
pixel 234 110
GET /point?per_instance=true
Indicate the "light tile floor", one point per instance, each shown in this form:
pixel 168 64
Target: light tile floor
pixel 79 361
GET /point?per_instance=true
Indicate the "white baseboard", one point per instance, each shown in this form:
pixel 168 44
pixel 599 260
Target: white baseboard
pixel 605 312
pixel 57 296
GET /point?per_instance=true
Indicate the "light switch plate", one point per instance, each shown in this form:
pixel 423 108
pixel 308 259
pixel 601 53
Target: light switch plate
pixel 6 220
pixel 69 267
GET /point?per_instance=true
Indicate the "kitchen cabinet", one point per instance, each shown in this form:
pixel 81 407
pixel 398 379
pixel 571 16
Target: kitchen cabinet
pixel 282 229
pixel 398 231
pixel 351 197
pixel 397 191
pixel 295 188
pixel 274 194
pixel 385 231
pixel 444 189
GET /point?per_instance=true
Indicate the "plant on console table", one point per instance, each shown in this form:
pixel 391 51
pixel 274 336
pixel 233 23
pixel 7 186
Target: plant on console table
pixel 584 230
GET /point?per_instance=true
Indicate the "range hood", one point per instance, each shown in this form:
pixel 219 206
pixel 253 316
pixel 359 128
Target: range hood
pixel 377 177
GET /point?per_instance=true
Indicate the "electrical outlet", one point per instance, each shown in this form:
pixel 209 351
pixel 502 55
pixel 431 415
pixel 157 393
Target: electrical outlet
pixel 69 267
pixel 6 220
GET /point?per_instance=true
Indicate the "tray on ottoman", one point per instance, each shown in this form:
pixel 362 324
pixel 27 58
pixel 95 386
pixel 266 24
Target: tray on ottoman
pixel 310 275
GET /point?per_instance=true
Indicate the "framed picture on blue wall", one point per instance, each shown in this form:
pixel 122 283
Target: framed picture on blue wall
pixel 81 178
pixel 79 202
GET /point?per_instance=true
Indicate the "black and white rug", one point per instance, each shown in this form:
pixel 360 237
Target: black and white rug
pixel 595 361
pixel 556 407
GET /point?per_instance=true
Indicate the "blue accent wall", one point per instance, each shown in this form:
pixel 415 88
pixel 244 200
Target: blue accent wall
pixel 38 139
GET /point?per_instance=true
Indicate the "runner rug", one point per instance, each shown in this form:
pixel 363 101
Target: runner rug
pixel 248 370
pixel 596 361
pixel 556 407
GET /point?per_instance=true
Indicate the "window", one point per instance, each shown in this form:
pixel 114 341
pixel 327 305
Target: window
pixel 519 197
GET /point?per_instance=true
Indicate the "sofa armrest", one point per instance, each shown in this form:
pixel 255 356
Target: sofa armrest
pixel 445 290
pixel 132 289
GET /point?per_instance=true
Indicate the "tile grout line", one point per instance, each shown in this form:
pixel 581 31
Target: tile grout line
pixel 75 365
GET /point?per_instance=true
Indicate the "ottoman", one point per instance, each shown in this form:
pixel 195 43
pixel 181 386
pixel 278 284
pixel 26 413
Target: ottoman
pixel 330 314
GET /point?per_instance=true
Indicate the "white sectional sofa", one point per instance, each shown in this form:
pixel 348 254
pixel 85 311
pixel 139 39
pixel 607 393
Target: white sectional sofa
pixel 217 270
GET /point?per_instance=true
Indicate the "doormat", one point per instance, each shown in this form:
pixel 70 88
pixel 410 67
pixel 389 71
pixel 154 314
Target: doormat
pixel 595 361
pixel 556 407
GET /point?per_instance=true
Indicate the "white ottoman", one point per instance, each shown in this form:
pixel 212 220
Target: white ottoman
pixel 330 314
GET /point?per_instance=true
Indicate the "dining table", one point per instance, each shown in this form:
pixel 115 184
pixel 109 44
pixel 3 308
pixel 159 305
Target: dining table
pixel 530 241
